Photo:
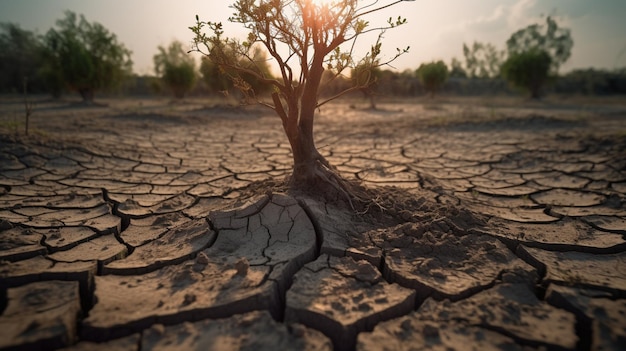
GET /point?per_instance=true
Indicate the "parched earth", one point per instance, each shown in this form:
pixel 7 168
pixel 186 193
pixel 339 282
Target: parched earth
pixel 153 226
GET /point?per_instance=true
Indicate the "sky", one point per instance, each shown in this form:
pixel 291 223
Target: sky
pixel 436 30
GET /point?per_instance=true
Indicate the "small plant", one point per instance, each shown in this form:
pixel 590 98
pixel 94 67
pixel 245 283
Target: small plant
pixel 11 125
pixel 28 106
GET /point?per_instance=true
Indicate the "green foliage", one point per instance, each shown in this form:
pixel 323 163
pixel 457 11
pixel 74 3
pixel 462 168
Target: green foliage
pixel 176 68
pixel 592 82
pixel 312 33
pixel 534 53
pixel 528 70
pixel 20 57
pixel 482 60
pixel 432 76
pixel 180 78
pixel 84 57
pixel 305 39
pixel 224 79
pixel 549 38
pixel 366 79
pixel 456 69
pixel 365 76
pixel 213 77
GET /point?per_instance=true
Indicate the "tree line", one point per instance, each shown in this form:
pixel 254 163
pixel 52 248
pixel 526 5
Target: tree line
pixel 84 57
pixel 76 55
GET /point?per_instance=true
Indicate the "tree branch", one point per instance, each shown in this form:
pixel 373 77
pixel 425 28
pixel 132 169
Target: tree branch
pixel 379 8
pixel 340 94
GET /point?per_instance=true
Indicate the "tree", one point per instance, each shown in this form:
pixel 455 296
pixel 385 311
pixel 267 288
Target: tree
pixel 20 58
pixel 529 70
pixel 456 69
pixel 482 60
pixel 432 76
pixel 85 56
pixel 176 68
pixel 367 78
pixel 222 79
pixel 549 38
pixel 215 80
pixel 535 53
pixel 592 81
pixel 303 37
pixel 333 84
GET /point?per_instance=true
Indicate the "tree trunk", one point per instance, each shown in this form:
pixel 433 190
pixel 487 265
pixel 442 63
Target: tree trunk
pixel 309 165
pixel 305 159
pixel 372 101
pixel 311 171
pixel 535 92
pixel 87 94
pixel 179 94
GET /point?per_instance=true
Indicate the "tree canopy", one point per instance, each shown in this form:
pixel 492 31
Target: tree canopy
pixel 85 56
pixel 432 76
pixel 550 38
pixel 482 60
pixel 535 53
pixel 367 78
pixel 303 38
pixel 176 68
pixel 224 80
pixel 528 70
pixel 20 59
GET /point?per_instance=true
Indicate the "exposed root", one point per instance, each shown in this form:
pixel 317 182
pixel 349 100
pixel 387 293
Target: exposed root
pixel 326 183
pixel 377 206
pixel 336 182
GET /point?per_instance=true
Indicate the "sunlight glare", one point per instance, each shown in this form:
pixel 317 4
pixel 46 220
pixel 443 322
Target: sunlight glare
pixel 321 3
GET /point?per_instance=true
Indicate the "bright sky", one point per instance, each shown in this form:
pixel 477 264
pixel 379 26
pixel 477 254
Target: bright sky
pixel 436 29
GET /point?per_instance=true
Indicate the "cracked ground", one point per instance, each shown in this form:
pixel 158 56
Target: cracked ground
pixel 500 225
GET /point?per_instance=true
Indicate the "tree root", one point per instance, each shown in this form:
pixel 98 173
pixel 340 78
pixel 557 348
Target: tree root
pixel 326 181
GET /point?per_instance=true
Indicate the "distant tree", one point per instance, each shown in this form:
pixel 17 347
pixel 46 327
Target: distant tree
pixel 535 53
pixel 482 60
pixel 367 79
pixel 456 69
pixel 214 78
pixel 395 83
pixel 432 76
pixel 592 81
pixel 549 38
pixel 332 83
pixel 225 80
pixel 176 68
pixel 312 34
pixel 51 73
pixel 84 56
pixel 528 70
pixel 20 58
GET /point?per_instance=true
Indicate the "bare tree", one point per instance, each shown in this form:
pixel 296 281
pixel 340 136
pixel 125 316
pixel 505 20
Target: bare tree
pixel 303 37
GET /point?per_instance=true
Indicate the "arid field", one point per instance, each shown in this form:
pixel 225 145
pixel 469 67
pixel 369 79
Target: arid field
pixel 498 223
